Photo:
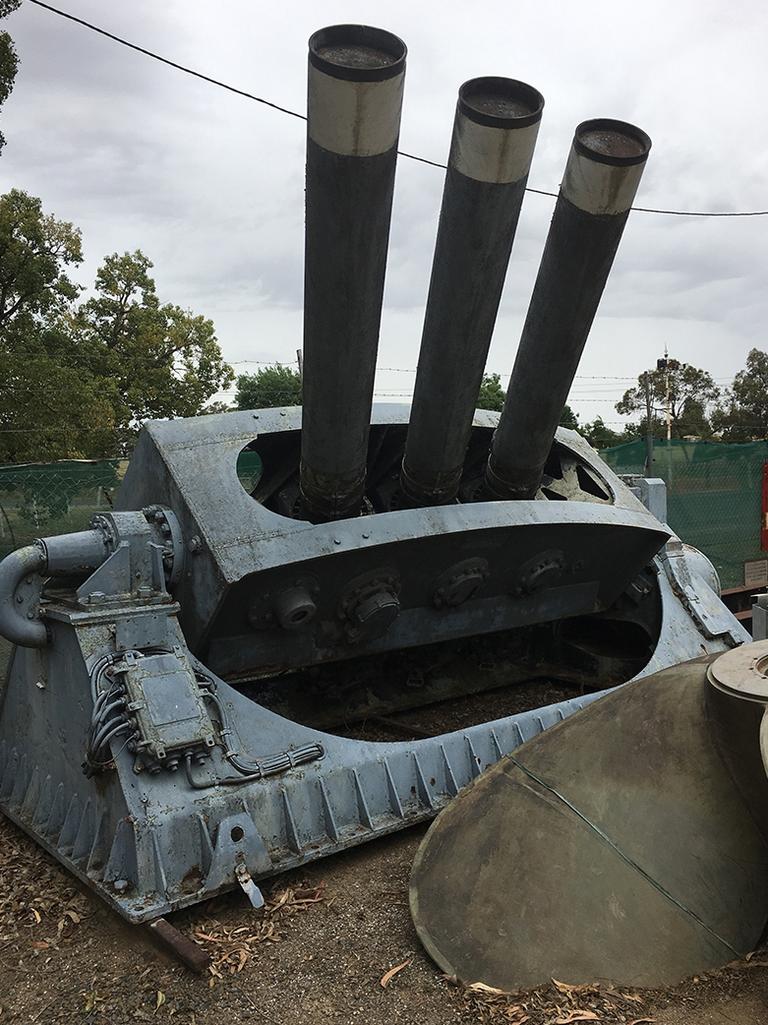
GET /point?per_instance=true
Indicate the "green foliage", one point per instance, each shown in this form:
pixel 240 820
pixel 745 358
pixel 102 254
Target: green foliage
pixel 492 396
pixel 214 407
pixel 744 414
pixel 50 406
pixel 35 250
pixel 569 419
pixel 691 392
pixel 165 361
pixel 599 435
pixel 271 386
pixel 78 381
pixel 491 393
pixel 9 61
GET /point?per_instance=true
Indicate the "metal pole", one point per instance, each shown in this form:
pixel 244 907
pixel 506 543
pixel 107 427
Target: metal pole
pixel 494 134
pixel 353 122
pixel 601 178
pixel 648 426
pixel 667 399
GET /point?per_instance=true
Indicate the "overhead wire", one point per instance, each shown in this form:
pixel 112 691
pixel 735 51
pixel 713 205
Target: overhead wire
pixel 302 117
pixel 411 156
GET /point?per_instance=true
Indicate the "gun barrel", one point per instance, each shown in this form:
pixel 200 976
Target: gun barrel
pixel 494 134
pixel 603 172
pixel 355 95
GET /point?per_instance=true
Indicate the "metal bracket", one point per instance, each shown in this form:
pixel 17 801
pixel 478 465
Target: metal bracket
pixel 249 888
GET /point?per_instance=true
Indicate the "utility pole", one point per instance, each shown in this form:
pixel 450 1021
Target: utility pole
pixel 666 364
pixel 648 425
pixel 300 361
pixel 668 403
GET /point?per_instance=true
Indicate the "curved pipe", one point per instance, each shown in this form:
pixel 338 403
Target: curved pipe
pixel 14 625
pixel 66 553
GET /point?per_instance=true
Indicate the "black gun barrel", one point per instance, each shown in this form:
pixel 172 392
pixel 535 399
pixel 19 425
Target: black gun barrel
pixel 353 122
pixel 602 174
pixel 494 134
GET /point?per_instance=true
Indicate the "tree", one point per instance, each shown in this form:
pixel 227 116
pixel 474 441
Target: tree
pixel 79 380
pixel 744 414
pixel 691 391
pixel 51 408
pixel 600 436
pixel 35 251
pixel 492 396
pixel 569 419
pixel 9 62
pixel 214 407
pixel 165 361
pixel 491 393
pixel 271 386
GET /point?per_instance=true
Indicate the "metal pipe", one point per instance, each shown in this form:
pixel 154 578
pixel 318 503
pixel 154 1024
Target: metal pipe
pixel 494 134
pixel 353 122
pixel 64 554
pixel 15 626
pixel 601 178
pixel 75 553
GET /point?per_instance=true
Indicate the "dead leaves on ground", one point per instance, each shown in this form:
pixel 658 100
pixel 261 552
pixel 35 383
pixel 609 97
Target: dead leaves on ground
pixel 560 1003
pixel 232 946
pixel 572 1016
pixel 387 977
pixel 38 900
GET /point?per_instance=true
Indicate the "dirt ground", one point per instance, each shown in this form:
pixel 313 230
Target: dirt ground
pixel 330 934
pixel 318 956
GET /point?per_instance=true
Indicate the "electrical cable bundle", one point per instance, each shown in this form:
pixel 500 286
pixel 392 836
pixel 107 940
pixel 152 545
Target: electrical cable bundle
pixel 108 718
pixel 248 771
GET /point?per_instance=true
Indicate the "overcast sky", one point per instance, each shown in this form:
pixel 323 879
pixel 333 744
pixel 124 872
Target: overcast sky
pixel 210 185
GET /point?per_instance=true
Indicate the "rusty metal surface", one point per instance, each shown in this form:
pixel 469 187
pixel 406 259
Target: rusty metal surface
pixel 186 950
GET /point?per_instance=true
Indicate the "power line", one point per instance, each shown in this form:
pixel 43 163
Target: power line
pixel 166 60
pixel 293 113
pixel 408 370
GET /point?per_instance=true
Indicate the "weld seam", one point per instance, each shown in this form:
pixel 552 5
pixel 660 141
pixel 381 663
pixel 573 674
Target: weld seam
pixel 625 857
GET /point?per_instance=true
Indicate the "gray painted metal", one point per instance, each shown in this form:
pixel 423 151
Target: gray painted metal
pixel 150 839
pixel 760 617
pixel 149 844
pixel 246 556
pixel 652 492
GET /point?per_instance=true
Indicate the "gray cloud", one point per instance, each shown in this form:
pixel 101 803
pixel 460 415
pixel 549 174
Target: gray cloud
pixel 210 186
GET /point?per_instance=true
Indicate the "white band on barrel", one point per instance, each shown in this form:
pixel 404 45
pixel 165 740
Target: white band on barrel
pixel 500 155
pixel 354 119
pixel 600 188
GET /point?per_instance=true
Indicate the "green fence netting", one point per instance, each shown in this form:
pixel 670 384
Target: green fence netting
pixel 52 498
pixel 714 496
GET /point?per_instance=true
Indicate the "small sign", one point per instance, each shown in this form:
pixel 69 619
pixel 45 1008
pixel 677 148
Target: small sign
pixel 756 572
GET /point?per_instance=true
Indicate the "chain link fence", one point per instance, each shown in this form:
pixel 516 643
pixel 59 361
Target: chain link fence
pixel 37 499
pixel 714 496
pixel 52 498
